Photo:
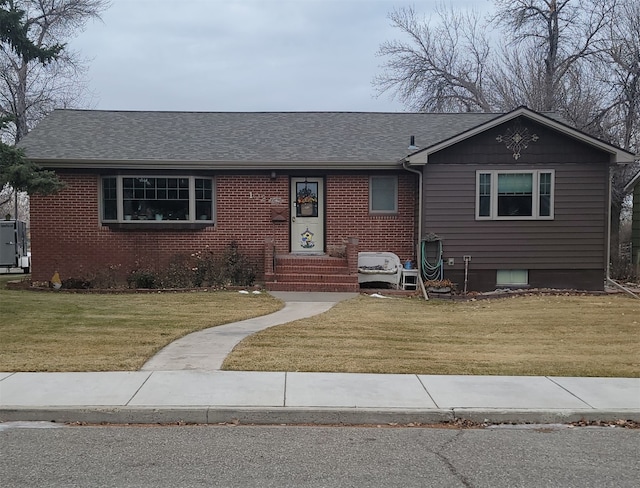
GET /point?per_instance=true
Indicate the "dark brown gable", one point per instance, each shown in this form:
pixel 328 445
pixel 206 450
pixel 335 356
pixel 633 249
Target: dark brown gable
pixel 566 251
pixel 536 144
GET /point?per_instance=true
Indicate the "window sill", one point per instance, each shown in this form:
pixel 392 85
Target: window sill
pixel 153 226
pixel 519 218
pixel 383 216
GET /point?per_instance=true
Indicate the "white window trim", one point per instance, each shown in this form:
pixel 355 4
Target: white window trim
pixel 535 204
pixel 383 212
pixel 120 200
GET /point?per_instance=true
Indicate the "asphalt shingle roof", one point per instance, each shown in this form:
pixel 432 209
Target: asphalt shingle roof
pixel 306 137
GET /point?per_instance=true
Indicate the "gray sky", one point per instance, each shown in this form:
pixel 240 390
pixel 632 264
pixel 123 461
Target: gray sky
pixel 242 55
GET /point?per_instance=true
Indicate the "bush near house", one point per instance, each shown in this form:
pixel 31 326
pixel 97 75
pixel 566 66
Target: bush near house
pixel 199 269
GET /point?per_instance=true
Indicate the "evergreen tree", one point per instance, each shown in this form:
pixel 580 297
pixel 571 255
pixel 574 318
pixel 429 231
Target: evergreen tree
pixel 15 170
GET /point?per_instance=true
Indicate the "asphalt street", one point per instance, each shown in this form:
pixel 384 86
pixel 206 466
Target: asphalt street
pixel 45 454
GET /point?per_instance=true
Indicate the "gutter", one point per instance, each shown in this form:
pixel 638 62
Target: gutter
pixel 212 165
pixel 405 165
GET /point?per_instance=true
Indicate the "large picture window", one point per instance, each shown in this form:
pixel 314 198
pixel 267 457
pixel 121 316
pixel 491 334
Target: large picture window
pixel 153 199
pixel 383 194
pixel 514 195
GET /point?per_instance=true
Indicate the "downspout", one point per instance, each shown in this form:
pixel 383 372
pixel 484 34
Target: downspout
pixel 405 165
pixel 608 267
pixel 623 288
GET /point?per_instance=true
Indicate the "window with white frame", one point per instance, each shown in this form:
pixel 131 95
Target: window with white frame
pixel 157 198
pixel 514 194
pixel 383 194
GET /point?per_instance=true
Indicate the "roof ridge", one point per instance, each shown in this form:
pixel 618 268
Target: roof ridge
pixel 270 112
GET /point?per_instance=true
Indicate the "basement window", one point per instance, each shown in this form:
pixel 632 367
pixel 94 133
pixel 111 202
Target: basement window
pixel 143 199
pixel 512 277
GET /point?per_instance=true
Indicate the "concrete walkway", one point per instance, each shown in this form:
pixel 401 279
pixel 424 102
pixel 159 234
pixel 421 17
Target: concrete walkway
pixel 207 349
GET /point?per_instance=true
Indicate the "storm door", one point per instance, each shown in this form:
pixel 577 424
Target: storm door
pixel 307 215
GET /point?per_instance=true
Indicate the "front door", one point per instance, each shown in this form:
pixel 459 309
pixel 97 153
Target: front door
pixel 307 215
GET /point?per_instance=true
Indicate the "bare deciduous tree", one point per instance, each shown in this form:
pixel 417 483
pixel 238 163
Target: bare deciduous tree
pixel 8 203
pixel 622 119
pixel 29 89
pixel 563 32
pixel 440 68
pixel 452 64
pixel 37 74
pixel 623 57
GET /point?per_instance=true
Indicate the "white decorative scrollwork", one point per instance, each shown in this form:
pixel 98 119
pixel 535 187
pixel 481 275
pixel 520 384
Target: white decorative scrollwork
pixel 517 139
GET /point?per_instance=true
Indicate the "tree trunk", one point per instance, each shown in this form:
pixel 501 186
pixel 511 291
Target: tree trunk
pixel 551 60
pixel 22 126
pixel 616 265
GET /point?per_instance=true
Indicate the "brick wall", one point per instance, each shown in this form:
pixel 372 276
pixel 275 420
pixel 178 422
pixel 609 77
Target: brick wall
pixel 348 215
pixel 67 236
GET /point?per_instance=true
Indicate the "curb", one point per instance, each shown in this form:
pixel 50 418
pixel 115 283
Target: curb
pixel 300 416
pixel 209 415
pixel 553 416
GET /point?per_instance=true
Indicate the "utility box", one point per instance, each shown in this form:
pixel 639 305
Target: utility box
pixel 14 246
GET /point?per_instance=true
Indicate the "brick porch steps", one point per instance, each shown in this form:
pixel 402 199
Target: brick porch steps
pixel 312 273
pixel 311 287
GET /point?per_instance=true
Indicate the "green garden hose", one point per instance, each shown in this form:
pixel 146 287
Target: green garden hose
pixel 432 271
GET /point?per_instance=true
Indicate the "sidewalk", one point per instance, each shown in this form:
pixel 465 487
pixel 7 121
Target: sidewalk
pixel 182 383
pixel 322 398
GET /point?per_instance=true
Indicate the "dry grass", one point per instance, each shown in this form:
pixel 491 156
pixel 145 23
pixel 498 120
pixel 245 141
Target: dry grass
pixel 90 332
pixel 533 335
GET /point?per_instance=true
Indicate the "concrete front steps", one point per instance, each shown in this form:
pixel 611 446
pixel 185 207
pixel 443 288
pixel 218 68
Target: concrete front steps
pixel 312 273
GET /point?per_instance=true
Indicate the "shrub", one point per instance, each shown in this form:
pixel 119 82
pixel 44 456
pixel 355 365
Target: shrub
pixel 236 268
pixel 108 277
pixel 143 279
pixel 179 273
pixel 76 284
pixel 206 269
pixel 200 269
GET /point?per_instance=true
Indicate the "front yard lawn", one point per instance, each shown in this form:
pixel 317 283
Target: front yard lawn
pixel 47 331
pixel 531 335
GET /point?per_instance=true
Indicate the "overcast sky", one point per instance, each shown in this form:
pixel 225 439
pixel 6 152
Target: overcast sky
pixel 242 55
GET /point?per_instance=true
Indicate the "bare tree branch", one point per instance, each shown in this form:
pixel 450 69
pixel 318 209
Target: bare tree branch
pixel 567 32
pixel 30 90
pixel 440 68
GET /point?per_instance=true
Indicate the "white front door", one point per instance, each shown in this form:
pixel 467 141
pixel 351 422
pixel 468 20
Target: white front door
pixel 307 215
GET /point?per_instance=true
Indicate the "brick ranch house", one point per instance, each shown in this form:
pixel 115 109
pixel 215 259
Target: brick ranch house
pixel 521 195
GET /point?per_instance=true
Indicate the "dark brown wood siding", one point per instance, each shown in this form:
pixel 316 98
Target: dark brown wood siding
pixel 575 239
